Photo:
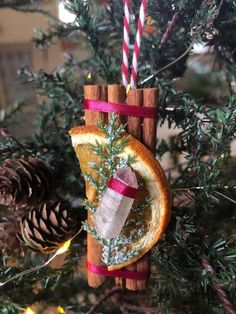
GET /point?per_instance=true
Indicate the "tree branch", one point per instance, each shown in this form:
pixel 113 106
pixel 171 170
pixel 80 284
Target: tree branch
pixel 222 295
pixel 169 29
pixel 140 309
pixel 103 298
pixel 14 3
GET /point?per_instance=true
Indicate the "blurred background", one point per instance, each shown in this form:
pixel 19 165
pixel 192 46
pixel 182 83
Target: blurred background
pixel 18 50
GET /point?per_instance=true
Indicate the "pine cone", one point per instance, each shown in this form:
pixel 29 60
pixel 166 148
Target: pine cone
pixel 9 241
pixel 24 182
pixel 47 228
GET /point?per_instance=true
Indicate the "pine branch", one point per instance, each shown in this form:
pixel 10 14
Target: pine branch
pixel 15 3
pixel 109 293
pixel 169 29
pixel 89 206
pixel 89 178
pixel 36 9
pixel 219 288
pixel 93 233
pixel 140 309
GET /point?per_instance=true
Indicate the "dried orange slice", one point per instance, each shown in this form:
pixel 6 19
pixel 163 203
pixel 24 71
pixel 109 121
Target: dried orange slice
pixel 150 213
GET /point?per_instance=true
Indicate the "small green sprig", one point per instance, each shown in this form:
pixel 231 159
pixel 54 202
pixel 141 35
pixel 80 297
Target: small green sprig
pixel 93 233
pixel 89 206
pixel 108 154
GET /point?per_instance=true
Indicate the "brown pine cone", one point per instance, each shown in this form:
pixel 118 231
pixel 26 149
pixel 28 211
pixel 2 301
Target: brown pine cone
pixel 45 229
pixel 24 182
pixel 9 241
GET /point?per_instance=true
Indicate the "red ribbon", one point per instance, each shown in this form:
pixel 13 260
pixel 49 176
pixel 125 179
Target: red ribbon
pixel 103 271
pixel 122 109
pixel 122 188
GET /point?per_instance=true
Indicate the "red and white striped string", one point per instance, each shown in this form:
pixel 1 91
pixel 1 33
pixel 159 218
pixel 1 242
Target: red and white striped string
pixel 136 53
pixel 139 35
pixel 125 64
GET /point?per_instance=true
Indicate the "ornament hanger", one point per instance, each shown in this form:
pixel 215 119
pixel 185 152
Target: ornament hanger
pixel 136 52
pixel 124 109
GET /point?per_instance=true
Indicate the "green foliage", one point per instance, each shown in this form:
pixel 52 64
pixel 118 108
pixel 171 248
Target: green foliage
pixel 202 224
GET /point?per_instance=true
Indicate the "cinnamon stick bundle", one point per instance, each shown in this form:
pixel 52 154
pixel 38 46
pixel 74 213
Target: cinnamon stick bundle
pixel 94 249
pixel 142 129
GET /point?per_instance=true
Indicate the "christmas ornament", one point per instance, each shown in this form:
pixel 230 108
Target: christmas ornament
pixel 45 229
pixel 24 182
pixel 113 245
pixel 116 203
pixel 142 121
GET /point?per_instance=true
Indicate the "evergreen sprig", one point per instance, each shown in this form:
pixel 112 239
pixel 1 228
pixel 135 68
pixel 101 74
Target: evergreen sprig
pixel 115 251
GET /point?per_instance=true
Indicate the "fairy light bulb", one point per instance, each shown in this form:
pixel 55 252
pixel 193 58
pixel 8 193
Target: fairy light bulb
pixel 63 248
pixel 60 310
pixel 28 310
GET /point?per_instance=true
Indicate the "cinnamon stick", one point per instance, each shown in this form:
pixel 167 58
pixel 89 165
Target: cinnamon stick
pixel 150 97
pixel 94 249
pixel 143 265
pixel 117 94
pixel 148 138
pixel 95 92
pixel 135 97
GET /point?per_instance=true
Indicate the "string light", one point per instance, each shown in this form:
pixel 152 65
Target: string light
pixel 65 246
pixel 60 251
pixel 61 310
pixel 28 310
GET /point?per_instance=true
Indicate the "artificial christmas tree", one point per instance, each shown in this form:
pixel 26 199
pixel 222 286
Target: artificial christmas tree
pixel 194 264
